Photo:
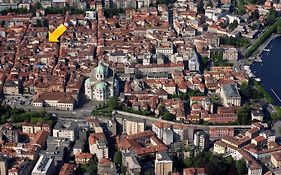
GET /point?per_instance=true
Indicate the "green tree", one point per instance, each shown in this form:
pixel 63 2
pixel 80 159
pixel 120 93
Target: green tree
pixel 279 29
pixel 110 12
pixel 168 116
pixel 38 23
pixel 233 25
pixel 261 89
pixel 188 162
pixel 255 15
pixel 223 25
pixel 240 9
pixel 217 59
pixel 147 172
pixel 205 62
pixel 35 7
pixel 244 88
pixel 244 115
pixel 117 158
pixel 240 166
pixel 229 160
pixel 113 103
pixel 123 169
pixel 55 10
pixel 22 10
pixel 93 165
pixel 216 100
pixel 279 130
pixel 271 16
pixel 277 114
pixel 195 92
pixel 161 110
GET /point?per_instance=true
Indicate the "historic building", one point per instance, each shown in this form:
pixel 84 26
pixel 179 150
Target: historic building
pixel 101 84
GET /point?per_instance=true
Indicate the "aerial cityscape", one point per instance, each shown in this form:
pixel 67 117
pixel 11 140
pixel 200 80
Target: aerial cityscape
pixel 140 87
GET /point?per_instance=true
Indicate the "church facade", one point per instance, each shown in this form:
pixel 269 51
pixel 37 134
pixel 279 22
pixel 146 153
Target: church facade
pixel 101 84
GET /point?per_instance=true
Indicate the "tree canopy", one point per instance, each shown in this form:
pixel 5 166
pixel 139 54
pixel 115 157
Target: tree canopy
pixel 117 158
pixel 216 164
pixel 233 25
pixel 17 115
pixel 240 166
pixel 113 103
pixel 91 167
pixel 244 114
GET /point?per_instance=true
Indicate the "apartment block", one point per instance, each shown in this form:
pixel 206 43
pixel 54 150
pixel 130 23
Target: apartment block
pixel 133 126
pixel 163 164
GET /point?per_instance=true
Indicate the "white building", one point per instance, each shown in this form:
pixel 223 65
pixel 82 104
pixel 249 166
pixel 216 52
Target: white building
pixel 257 115
pixel 214 13
pixel 193 62
pixel 168 136
pixel 201 140
pixel 3 165
pixel 230 95
pixel 232 18
pixel 170 133
pixel 100 86
pixel 133 126
pixel 118 57
pixel 129 159
pixel 163 164
pixel 44 166
pixel 65 129
pixel 98 145
pixel 133 4
pixel 231 55
pixel 58 100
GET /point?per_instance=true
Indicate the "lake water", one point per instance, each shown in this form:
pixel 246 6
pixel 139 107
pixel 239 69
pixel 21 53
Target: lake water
pixel 269 71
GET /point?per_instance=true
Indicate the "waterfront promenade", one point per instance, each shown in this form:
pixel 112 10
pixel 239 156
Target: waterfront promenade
pixel 261 48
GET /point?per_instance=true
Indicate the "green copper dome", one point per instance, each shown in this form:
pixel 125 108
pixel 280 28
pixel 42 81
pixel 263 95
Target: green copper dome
pixel 101 69
pixel 101 86
pixel 87 82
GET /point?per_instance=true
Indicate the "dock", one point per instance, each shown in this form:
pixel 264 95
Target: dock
pixel 265 44
pixel 266 50
pixel 275 95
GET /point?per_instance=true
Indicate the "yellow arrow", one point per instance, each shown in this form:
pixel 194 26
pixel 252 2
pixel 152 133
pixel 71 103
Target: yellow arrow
pixel 53 37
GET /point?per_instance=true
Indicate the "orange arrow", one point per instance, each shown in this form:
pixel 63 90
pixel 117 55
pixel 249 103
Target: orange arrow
pixel 53 37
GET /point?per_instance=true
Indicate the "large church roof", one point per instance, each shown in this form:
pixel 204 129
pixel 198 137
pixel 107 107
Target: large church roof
pixel 101 69
pixel 101 86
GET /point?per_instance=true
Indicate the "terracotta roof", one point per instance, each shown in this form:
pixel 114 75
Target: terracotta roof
pixel 131 142
pixel 277 156
pixel 61 97
pixel 193 171
pixel 67 169
pixel 40 138
pixel 95 137
pixel 83 156
pixel 104 161
pixel 259 138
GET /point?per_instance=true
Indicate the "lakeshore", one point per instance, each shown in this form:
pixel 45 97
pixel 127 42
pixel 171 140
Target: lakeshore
pixel 263 48
pixel 268 70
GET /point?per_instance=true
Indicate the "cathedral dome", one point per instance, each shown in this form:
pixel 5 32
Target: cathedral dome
pixel 101 69
pixel 88 82
pixel 101 86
